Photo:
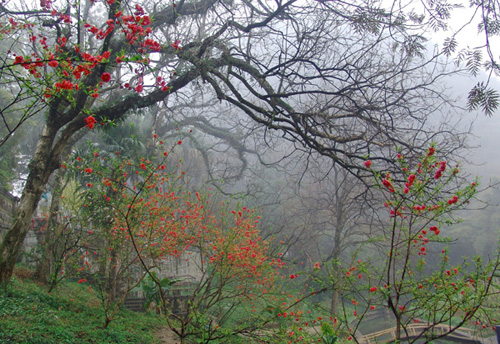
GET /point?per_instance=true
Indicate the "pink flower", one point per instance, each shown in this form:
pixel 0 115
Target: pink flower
pixel 139 88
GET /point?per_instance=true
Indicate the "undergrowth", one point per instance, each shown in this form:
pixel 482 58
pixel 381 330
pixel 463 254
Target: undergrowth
pixel 70 314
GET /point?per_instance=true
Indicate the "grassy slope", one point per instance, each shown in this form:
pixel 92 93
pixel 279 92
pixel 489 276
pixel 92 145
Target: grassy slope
pixel 70 315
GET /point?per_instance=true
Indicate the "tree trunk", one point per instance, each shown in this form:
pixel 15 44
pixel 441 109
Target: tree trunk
pixel 51 251
pixel 41 168
pixel 334 305
pixel 51 260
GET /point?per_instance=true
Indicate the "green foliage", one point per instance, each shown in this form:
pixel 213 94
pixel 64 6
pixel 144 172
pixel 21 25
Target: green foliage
pixel 483 97
pixel 29 315
pixel 328 334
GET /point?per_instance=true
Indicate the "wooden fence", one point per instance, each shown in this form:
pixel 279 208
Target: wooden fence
pixel 413 330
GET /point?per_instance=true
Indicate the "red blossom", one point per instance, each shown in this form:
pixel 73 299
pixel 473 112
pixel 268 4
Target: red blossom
pixel 18 59
pixel 388 185
pixel 91 121
pixel 175 45
pixel 368 163
pixel 434 229
pixel 146 21
pixel 106 77
pixel 453 200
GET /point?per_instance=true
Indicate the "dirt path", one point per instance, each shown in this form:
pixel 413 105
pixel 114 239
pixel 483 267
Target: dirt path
pixel 166 336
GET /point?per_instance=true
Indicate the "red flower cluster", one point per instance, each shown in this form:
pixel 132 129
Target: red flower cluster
pixel 388 184
pixel 453 200
pixel 91 121
pixel 65 85
pixel 419 207
pixel 434 229
pixel 19 59
pixel 442 168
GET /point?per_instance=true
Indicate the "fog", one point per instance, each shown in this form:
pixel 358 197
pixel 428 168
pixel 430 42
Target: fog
pixel 346 129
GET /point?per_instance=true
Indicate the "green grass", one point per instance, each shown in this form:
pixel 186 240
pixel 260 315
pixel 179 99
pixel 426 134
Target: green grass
pixel 69 315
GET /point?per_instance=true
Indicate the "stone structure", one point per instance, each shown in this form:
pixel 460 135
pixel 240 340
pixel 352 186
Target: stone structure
pixel 185 268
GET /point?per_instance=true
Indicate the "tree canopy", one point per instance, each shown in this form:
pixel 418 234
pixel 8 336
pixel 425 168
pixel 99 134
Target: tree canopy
pixel 344 79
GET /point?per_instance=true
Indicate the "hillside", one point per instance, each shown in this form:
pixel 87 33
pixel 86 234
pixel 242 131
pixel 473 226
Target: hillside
pixel 71 314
